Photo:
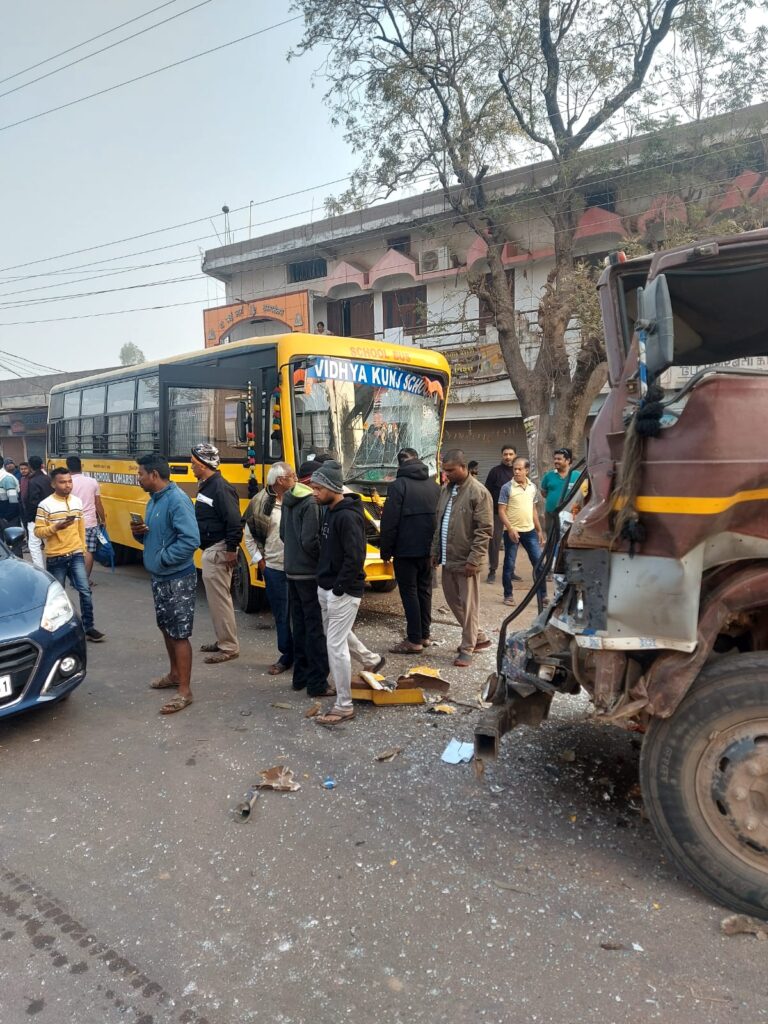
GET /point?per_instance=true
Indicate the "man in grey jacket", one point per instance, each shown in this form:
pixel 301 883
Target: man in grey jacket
pixel 300 534
pixel 464 530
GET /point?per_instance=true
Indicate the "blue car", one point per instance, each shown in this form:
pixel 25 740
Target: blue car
pixel 42 642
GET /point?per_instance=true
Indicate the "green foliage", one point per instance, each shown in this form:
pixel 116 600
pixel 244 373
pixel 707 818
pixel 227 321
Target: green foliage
pixel 131 354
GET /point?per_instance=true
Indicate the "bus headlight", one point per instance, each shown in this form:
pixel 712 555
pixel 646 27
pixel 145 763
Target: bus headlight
pixel 58 609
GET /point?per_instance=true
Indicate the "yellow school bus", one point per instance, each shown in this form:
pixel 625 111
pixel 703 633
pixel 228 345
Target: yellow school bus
pixel 280 398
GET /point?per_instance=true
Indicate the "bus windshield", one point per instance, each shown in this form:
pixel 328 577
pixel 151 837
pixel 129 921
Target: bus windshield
pixel 363 414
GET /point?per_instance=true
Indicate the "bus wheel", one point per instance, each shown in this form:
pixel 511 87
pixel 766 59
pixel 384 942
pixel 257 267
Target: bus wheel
pixel 704 776
pixel 383 586
pixel 245 596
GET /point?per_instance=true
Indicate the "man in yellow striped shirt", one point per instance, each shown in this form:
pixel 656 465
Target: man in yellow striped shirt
pixel 60 523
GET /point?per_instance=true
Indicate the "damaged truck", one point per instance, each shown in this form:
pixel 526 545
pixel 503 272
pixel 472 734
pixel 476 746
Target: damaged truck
pixel 660 610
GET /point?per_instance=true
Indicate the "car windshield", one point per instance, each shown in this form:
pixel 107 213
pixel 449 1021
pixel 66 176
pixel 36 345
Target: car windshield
pixel 363 414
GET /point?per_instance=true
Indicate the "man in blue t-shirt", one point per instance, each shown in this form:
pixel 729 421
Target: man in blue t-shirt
pixel 556 484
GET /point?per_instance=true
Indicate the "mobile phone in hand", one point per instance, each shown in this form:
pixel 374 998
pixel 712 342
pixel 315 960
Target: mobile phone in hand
pixel 136 519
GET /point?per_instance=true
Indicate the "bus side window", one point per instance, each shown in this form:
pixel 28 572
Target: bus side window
pixel 145 436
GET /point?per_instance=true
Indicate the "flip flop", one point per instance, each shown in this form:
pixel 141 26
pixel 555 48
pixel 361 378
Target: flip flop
pixel 330 692
pixel 278 668
pixel 335 716
pixel 178 703
pixel 219 657
pixel 163 683
pixel 463 661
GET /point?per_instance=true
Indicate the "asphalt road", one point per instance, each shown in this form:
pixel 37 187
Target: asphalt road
pixel 413 891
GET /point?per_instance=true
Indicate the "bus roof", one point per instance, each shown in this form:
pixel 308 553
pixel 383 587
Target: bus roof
pixel 289 346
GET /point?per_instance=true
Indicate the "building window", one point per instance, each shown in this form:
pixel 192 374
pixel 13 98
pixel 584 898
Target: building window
pixel 406 308
pixel 486 316
pixel 400 243
pixel 307 270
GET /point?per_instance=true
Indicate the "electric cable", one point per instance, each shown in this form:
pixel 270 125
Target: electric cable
pixel 110 46
pixel 148 74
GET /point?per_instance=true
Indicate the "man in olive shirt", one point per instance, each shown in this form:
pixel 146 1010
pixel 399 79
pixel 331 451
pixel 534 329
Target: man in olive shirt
pixel 518 513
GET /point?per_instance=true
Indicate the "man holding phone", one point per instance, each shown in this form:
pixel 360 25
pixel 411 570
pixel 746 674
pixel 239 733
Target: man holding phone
pixel 60 523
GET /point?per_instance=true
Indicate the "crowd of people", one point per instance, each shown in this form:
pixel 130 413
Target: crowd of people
pixel 306 532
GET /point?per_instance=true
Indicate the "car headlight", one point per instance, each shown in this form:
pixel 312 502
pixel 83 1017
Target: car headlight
pixel 58 608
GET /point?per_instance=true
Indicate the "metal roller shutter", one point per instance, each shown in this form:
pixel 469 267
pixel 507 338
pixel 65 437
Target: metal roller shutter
pixel 483 440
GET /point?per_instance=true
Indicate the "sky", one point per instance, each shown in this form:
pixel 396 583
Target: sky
pixel 235 127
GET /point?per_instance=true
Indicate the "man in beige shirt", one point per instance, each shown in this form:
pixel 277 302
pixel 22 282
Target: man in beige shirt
pixel 518 513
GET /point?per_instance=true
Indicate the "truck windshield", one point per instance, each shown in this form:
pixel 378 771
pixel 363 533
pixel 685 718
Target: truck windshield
pixel 363 414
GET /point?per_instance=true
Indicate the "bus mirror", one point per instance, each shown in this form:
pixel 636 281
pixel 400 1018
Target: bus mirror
pixel 241 423
pixel 654 309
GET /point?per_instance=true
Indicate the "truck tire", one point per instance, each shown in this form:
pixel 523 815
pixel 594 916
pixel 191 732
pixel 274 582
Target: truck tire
pixel 245 596
pixel 704 777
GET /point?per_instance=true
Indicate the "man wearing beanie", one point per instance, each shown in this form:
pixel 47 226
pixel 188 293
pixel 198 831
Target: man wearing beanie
pixel 217 510
pixel 300 534
pixel 340 584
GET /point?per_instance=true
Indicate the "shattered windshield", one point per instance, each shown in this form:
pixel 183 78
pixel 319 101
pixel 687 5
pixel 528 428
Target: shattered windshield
pixel 363 414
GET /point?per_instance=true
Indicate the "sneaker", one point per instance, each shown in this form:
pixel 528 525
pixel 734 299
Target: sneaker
pixel 509 601
pixel 94 635
pixel 491 577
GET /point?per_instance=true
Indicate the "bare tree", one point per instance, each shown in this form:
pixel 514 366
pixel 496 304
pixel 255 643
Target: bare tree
pixel 456 89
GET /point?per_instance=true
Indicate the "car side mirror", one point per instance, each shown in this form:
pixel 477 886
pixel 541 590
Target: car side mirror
pixel 654 314
pixel 14 538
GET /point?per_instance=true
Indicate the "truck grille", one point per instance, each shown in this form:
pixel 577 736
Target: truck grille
pixel 17 660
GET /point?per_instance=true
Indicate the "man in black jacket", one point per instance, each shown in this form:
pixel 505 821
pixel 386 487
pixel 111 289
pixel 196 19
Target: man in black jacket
pixel 497 477
pixel 300 534
pixel 217 510
pixel 340 585
pixel 407 529
pixel 38 489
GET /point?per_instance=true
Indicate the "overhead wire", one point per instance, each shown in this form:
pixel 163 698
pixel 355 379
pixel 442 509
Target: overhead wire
pixel 85 42
pixel 148 74
pixel 110 46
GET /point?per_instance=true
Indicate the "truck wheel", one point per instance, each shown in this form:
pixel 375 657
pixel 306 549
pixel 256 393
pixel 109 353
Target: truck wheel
pixel 704 777
pixel 383 586
pixel 245 596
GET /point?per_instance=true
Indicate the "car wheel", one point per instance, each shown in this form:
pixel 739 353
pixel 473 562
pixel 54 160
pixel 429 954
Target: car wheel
pixel 704 777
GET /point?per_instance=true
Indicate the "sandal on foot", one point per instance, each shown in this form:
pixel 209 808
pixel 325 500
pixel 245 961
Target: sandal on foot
pixel 330 692
pixel 335 716
pixel 406 647
pixel 463 661
pixel 163 683
pixel 209 648
pixel 219 657
pixel 178 703
pixel 278 668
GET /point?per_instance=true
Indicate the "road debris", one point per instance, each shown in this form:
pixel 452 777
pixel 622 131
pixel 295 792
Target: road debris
pixel 613 946
pixel 283 706
pixel 244 809
pixel 569 756
pixel 441 709
pixel 389 755
pixel 279 778
pixel 329 782
pixel 458 753
pixel 313 711
pixel 740 924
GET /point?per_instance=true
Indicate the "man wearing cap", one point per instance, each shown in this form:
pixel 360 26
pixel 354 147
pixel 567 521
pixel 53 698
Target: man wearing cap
pixel 340 585
pixel 300 534
pixel 217 510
